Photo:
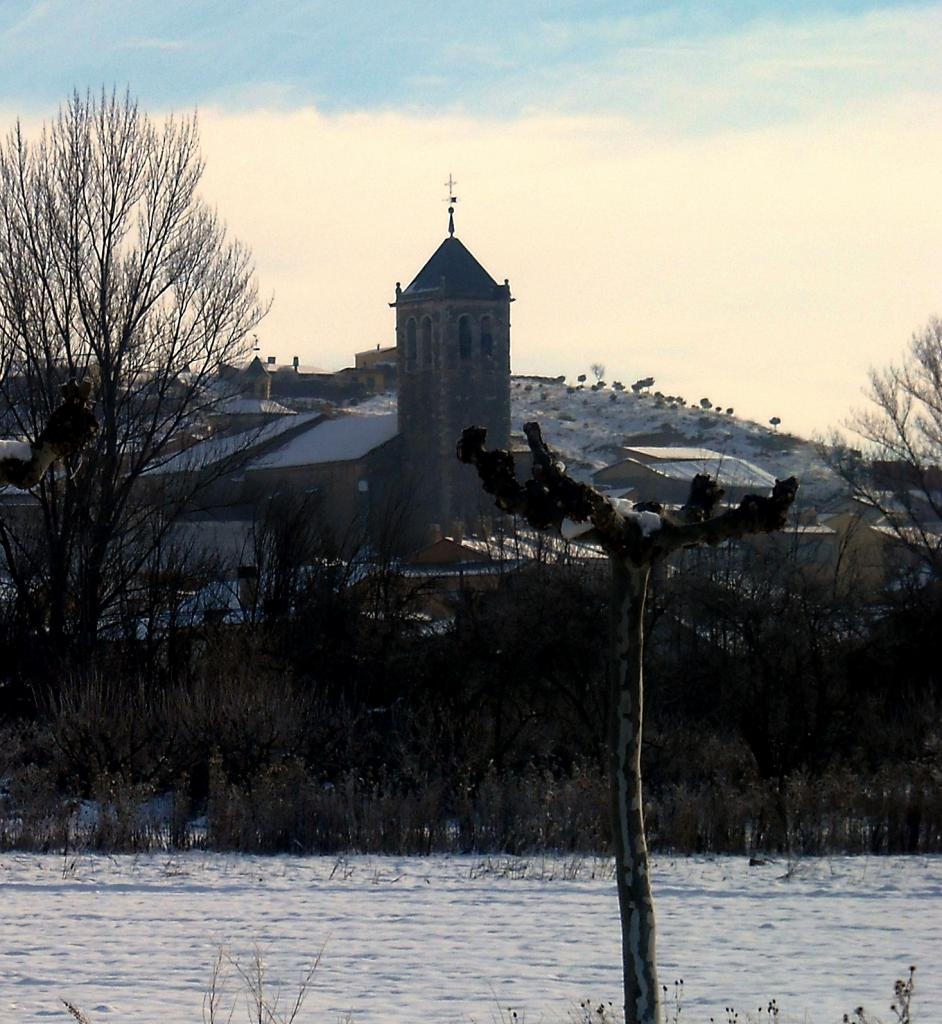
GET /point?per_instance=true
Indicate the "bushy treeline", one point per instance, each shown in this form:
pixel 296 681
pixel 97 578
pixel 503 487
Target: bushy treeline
pixel 784 714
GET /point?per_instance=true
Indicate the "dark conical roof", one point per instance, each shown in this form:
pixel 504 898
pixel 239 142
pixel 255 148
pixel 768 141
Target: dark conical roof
pixel 452 271
pixel 256 368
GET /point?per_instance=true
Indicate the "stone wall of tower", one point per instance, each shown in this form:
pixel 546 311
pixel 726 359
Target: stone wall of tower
pixel 454 371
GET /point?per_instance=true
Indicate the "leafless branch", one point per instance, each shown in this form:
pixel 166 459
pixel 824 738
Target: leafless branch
pixel 550 497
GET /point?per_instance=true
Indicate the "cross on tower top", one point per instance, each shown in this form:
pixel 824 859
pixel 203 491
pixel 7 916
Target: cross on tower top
pixel 451 200
pixel 450 185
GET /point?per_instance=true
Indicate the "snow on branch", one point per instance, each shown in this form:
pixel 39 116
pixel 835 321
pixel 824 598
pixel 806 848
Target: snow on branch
pixel 551 500
pixel 71 427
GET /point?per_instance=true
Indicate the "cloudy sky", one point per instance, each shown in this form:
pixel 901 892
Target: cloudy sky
pixel 741 199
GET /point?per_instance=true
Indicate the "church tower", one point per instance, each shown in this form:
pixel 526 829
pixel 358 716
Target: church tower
pixel 453 353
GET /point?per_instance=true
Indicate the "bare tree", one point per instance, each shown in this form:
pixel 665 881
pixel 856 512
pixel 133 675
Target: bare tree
pixel 598 371
pixel 898 472
pixel 111 267
pixel 635 539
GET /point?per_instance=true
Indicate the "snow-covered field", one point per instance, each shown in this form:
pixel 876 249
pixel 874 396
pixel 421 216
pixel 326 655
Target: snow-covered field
pixel 133 939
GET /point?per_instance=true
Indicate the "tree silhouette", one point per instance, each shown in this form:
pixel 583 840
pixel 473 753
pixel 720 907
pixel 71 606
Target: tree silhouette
pixel 635 538
pixel 112 267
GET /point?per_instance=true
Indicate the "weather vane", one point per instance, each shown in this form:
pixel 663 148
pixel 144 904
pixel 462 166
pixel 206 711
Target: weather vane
pixel 451 200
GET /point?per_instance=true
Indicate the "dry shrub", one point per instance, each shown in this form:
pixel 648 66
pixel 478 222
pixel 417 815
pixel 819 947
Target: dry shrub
pixel 248 720
pixel 899 810
pixel 107 727
pixel 33 813
pixel 285 808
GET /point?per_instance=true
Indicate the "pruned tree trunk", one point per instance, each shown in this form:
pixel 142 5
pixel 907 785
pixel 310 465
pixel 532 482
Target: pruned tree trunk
pixel 635 899
pixel 634 538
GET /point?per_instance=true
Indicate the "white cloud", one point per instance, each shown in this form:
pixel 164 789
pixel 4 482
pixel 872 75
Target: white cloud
pixel 751 215
pixel 690 75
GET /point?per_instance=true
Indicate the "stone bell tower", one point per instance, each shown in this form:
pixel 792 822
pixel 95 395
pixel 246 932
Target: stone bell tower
pixel 453 352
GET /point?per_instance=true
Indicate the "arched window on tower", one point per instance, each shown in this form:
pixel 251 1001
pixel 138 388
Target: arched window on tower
pixel 464 337
pixel 410 344
pixel 487 338
pixel 427 341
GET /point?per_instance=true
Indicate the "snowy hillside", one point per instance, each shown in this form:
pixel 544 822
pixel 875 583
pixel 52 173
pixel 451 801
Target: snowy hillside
pixel 587 427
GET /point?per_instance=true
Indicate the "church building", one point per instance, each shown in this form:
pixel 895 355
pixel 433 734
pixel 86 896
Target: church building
pixel 453 354
pixel 367 469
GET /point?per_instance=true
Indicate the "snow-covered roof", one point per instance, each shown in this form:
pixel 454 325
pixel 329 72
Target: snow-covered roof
pixel 914 535
pixel 217 600
pixel 339 440
pixel 730 472
pixel 672 454
pixel 301 368
pixel 10 495
pixel 15 448
pixel 809 530
pixel 454 570
pixel 208 453
pixel 252 406
pixel 528 545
